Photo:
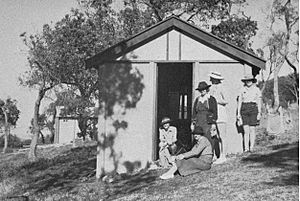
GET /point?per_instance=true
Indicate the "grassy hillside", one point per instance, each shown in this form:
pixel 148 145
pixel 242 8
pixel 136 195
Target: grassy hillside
pixel 271 172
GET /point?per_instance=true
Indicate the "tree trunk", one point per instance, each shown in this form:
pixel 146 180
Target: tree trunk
pixel 36 129
pixel 275 90
pixel 6 132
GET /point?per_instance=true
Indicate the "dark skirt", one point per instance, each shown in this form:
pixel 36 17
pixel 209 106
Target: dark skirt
pixel 193 165
pixel 249 112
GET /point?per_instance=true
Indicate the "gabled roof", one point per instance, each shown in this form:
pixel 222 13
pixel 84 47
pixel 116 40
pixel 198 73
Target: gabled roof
pixel 174 23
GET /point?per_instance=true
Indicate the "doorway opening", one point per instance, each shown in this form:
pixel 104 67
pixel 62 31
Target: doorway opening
pixel 174 98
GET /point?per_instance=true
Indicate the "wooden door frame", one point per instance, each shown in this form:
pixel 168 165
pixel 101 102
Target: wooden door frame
pixel 155 122
pixel 154 111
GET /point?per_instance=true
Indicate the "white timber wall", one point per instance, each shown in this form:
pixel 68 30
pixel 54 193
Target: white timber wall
pixel 133 145
pixel 174 46
pixel 68 129
pixel 152 51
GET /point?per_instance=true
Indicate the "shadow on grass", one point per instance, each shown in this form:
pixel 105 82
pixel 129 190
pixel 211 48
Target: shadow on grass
pixel 60 173
pixel 285 157
pixel 130 184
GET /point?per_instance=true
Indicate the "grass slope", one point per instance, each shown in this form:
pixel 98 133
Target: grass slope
pixel 66 173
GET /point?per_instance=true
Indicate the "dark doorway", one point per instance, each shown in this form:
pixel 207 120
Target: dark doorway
pixel 174 97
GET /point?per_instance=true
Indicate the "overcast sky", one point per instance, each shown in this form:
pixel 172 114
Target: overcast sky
pixel 18 16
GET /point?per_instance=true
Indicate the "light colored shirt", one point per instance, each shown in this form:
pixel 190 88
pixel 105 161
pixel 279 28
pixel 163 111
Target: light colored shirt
pixel 204 98
pixel 169 136
pixel 250 94
pixel 217 91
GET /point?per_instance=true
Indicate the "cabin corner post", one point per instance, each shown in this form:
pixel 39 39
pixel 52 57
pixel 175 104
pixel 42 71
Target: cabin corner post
pixel 101 133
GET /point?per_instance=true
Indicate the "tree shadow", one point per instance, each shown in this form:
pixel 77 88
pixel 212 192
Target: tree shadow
pixel 128 184
pixel 131 166
pixel 286 158
pixel 62 172
pixel 121 88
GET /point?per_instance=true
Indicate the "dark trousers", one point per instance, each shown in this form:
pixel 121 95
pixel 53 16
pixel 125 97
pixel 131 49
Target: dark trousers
pixel 216 146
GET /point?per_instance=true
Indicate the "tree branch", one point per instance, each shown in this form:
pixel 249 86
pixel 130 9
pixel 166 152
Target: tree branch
pixel 290 64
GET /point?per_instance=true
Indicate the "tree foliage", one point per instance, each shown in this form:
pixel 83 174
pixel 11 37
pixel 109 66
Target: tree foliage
pixel 237 31
pixel 13 141
pixel 191 10
pixel 288 92
pixel 281 41
pixel 9 115
pixel 13 113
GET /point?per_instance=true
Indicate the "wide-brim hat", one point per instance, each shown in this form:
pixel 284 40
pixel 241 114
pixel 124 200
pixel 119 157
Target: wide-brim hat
pixel 165 121
pixel 216 76
pixel 202 85
pixel 248 77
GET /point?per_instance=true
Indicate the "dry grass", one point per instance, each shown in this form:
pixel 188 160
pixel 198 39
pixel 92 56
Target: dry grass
pixel 66 173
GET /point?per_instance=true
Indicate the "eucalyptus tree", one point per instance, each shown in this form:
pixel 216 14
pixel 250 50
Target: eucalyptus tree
pixel 281 42
pixel 9 115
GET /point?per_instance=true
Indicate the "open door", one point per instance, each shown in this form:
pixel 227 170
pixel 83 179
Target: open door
pixel 175 97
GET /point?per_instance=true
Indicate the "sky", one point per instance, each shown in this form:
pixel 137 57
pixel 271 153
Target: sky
pixel 18 16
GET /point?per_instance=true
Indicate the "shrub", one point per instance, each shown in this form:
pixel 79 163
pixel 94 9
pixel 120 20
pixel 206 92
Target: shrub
pixel 13 141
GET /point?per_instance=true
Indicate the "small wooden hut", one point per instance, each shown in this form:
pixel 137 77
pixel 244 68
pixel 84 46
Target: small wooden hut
pixel 173 56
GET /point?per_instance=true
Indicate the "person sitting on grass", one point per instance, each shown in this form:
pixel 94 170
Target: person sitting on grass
pixel 168 138
pixel 196 160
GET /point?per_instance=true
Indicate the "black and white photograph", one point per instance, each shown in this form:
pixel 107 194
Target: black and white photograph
pixel 149 100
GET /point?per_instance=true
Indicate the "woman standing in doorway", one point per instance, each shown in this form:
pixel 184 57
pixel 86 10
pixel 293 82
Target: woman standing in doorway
pixel 249 110
pixel 217 90
pixel 205 112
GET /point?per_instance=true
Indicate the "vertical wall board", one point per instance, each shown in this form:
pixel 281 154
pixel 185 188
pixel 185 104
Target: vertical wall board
pixel 232 74
pixel 173 45
pixel 132 147
pixel 193 50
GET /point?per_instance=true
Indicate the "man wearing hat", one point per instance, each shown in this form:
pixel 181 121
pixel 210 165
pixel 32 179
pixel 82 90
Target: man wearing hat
pixel 249 110
pixel 168 138
pixel 217 90
pixel 205 111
